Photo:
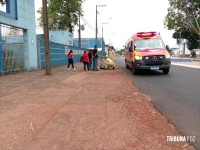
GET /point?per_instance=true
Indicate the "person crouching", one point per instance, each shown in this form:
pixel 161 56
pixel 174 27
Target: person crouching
pixel 109 64
pixel 85 60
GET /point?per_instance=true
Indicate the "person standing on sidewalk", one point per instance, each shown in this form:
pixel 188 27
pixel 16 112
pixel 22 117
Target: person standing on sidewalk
pixel 95 58
pixel 70 60
pixel 90 59
pixel 111 54
pixel 85 60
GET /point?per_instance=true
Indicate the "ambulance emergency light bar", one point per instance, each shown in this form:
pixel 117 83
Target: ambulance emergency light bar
pixel 146 34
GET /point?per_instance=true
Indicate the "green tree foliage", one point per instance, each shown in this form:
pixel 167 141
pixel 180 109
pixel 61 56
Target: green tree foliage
pixel 191 36
pixel 63 14
pixel 120 52
pixel 183 14
pixel 184 17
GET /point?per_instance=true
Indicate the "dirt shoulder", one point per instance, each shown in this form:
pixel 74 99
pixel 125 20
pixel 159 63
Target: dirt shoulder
pixel 80 110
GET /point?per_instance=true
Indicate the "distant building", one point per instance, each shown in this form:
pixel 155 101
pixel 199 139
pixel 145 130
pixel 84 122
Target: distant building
pixel 184 47
pixel 61 37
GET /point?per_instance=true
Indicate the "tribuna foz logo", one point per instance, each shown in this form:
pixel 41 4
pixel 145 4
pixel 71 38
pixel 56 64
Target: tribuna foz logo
pixel 180 138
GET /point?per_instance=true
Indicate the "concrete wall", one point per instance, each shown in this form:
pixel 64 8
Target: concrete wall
pixel 1 57
pixel 21 14
pixel 58 53
pixel 18 54
pixel 62 37
pixel 88 43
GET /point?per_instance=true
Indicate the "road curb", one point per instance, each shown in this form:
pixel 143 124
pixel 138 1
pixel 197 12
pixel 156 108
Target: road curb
pixel 184 65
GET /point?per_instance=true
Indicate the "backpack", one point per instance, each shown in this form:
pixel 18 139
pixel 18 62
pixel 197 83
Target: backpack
pixel 81 59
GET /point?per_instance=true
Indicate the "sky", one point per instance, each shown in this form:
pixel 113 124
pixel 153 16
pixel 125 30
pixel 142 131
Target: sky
pixel 122 19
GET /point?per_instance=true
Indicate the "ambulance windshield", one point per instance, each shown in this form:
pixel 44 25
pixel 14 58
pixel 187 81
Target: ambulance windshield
pixel 150 43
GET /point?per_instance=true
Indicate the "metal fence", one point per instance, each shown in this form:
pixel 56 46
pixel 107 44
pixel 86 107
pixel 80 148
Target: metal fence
pixel 13 51
pixel 12 47
pixel 58 53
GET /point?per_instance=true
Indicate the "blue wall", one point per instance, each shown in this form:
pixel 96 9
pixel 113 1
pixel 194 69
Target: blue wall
pixel 88 43
pixel 58 53
pixel 11 10
pixel 62 37
pixel 1 57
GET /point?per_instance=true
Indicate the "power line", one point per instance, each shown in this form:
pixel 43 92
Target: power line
pixel 90 26
pixel 87 23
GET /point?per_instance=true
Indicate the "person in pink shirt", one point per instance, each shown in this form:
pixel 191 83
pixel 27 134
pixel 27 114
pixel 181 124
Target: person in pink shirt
pixel 85 60
pixel 71 60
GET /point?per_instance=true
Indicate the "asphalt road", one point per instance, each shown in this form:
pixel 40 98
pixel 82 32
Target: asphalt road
pixel 176 95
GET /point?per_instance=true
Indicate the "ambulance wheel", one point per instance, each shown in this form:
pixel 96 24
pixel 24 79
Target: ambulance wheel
pixel 135 71
pixel 126 65
pixel 165 71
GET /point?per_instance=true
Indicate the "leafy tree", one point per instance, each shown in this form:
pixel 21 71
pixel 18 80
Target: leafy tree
pixel 183 14
pixel 63 14
pixel 120 52
pixel 191 36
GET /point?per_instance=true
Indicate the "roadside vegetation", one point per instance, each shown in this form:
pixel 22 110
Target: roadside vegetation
pixel 63 14
pixel 184 18
pixel 120 52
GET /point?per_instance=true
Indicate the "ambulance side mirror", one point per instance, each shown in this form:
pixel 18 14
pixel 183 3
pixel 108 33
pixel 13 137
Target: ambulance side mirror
pixel 167 47
pixel 130 49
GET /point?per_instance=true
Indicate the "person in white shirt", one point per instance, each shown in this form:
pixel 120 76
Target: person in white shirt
pixel 111 54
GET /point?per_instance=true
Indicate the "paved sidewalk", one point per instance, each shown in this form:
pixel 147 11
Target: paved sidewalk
pixel 76 110
pixel 193 64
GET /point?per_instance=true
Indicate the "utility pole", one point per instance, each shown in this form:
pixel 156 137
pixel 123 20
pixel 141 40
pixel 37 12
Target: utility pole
pixel 96 31
pixel 1 56
pixel 96 28
pixel 79 31
pixel 2 2
pixel 180 41
pixel 103 44
pixel 109 42
pixel 46 38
